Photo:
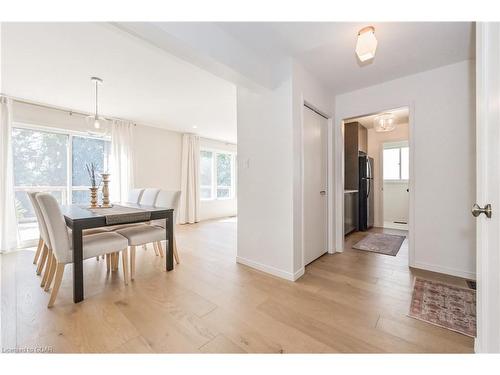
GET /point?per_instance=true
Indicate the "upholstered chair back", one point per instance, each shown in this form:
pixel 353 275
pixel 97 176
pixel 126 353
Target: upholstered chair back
pixel 134 196
pixel 42 227
pixel 149 196
pixel 169 199
pixel 56 227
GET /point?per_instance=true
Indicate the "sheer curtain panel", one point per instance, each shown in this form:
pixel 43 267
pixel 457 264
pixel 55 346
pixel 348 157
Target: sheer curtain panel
pixel 121 160
pixel 190 185
pixel 8 220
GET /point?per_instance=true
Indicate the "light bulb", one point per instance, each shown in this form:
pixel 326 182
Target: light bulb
pixel 97 124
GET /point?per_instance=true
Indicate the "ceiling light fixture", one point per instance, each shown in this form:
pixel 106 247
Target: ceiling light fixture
pixel 97 124
pixel 366 44
pixel 385 122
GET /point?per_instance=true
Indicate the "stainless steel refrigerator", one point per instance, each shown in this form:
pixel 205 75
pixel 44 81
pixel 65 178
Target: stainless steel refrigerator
pixel 366 215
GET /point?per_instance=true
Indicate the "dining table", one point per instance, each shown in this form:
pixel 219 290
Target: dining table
pixel 81 217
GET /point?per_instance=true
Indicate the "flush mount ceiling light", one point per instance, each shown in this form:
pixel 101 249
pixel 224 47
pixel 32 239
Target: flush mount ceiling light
pixel 366 44
pixel 385 122
pixel 97 124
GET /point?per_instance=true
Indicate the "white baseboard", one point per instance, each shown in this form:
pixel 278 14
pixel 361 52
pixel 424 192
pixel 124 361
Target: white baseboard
pixel 271 270
pixel 298 274
pixel 445 270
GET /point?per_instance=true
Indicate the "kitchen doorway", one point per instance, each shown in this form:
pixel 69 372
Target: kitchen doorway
pixel 377 183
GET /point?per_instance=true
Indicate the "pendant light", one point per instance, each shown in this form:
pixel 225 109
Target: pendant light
pixel 366 44
pixel 385 122
pixel 97 125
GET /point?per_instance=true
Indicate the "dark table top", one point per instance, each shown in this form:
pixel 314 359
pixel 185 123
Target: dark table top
pixel 75 212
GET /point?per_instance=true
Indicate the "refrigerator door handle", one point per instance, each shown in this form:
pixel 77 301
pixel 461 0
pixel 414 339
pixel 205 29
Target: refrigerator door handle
pixel 369 182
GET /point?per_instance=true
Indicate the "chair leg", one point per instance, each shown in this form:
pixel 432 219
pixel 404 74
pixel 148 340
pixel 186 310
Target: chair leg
pixel 132 262
pixel 108 262
pixel 52 270
pixel 38 250
pixel 176 254
pixel 155 247
pixel 43 259
pixel 113 261
pixel 57 283
pixel 125 265
pixel 160 248
pixel 47 268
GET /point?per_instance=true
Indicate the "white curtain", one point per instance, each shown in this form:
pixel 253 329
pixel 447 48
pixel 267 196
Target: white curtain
pixel 190 187
pixel 8 220
pixel 121 166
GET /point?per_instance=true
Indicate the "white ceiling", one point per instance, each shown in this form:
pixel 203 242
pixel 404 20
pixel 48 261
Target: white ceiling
pixel 144 82
pixel 327 50
pixel 400 114
pixel 52 63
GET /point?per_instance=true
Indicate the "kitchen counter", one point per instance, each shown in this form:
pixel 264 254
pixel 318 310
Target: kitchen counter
pixel 350 211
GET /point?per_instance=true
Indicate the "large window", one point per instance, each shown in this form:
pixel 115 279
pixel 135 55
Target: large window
pixel 396 161
pixel 216 175
pixel 52 161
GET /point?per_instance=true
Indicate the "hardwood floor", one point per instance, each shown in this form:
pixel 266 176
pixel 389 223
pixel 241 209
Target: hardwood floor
pixel 351 302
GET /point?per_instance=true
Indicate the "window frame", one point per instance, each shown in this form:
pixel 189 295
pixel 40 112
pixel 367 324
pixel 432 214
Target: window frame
pixel 215 186
pixel 68 189
pixel 391 146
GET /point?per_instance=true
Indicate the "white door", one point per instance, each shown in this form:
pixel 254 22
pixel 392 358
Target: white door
pixel 488 186
pixel 315 178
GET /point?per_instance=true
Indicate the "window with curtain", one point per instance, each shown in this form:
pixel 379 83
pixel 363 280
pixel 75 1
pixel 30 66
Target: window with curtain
pixel 217 175
pixel 396 161
pixel 52 161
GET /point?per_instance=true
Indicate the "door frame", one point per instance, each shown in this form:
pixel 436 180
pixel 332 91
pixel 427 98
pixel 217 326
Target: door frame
pixel 338 134
pixel 330 175
pixel 487 236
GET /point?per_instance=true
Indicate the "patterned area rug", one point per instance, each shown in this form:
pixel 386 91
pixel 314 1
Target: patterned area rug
pixel 444 305
pixel 382 243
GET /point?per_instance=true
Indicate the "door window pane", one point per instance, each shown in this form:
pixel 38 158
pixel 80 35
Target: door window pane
pixel 206 174
pixel 405 163
pixel 223 170
pixel 40 164
pixel 391 164
pixel 40 158
pixel 86 151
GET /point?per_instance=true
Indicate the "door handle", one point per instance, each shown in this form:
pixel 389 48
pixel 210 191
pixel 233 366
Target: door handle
pixel 477 210
pixel 322 192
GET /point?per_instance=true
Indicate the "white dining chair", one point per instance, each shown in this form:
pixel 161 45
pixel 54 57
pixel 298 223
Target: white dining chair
pixel 43 248
pixel 168 199
pixel 148 197
pixel 62 252
pixel 134 196
pixel 140 235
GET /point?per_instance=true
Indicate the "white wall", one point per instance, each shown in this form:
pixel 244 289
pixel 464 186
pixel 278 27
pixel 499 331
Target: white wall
pixel 442 140
pixel 157 154
pixel 218 208
pixel 270 171
pixel 375 147
pixel 265 179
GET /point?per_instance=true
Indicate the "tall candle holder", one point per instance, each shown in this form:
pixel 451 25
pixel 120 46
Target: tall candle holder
pixel 105 190
pixel 93 197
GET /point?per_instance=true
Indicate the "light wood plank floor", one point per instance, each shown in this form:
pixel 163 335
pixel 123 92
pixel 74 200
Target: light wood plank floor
pixel 351 302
